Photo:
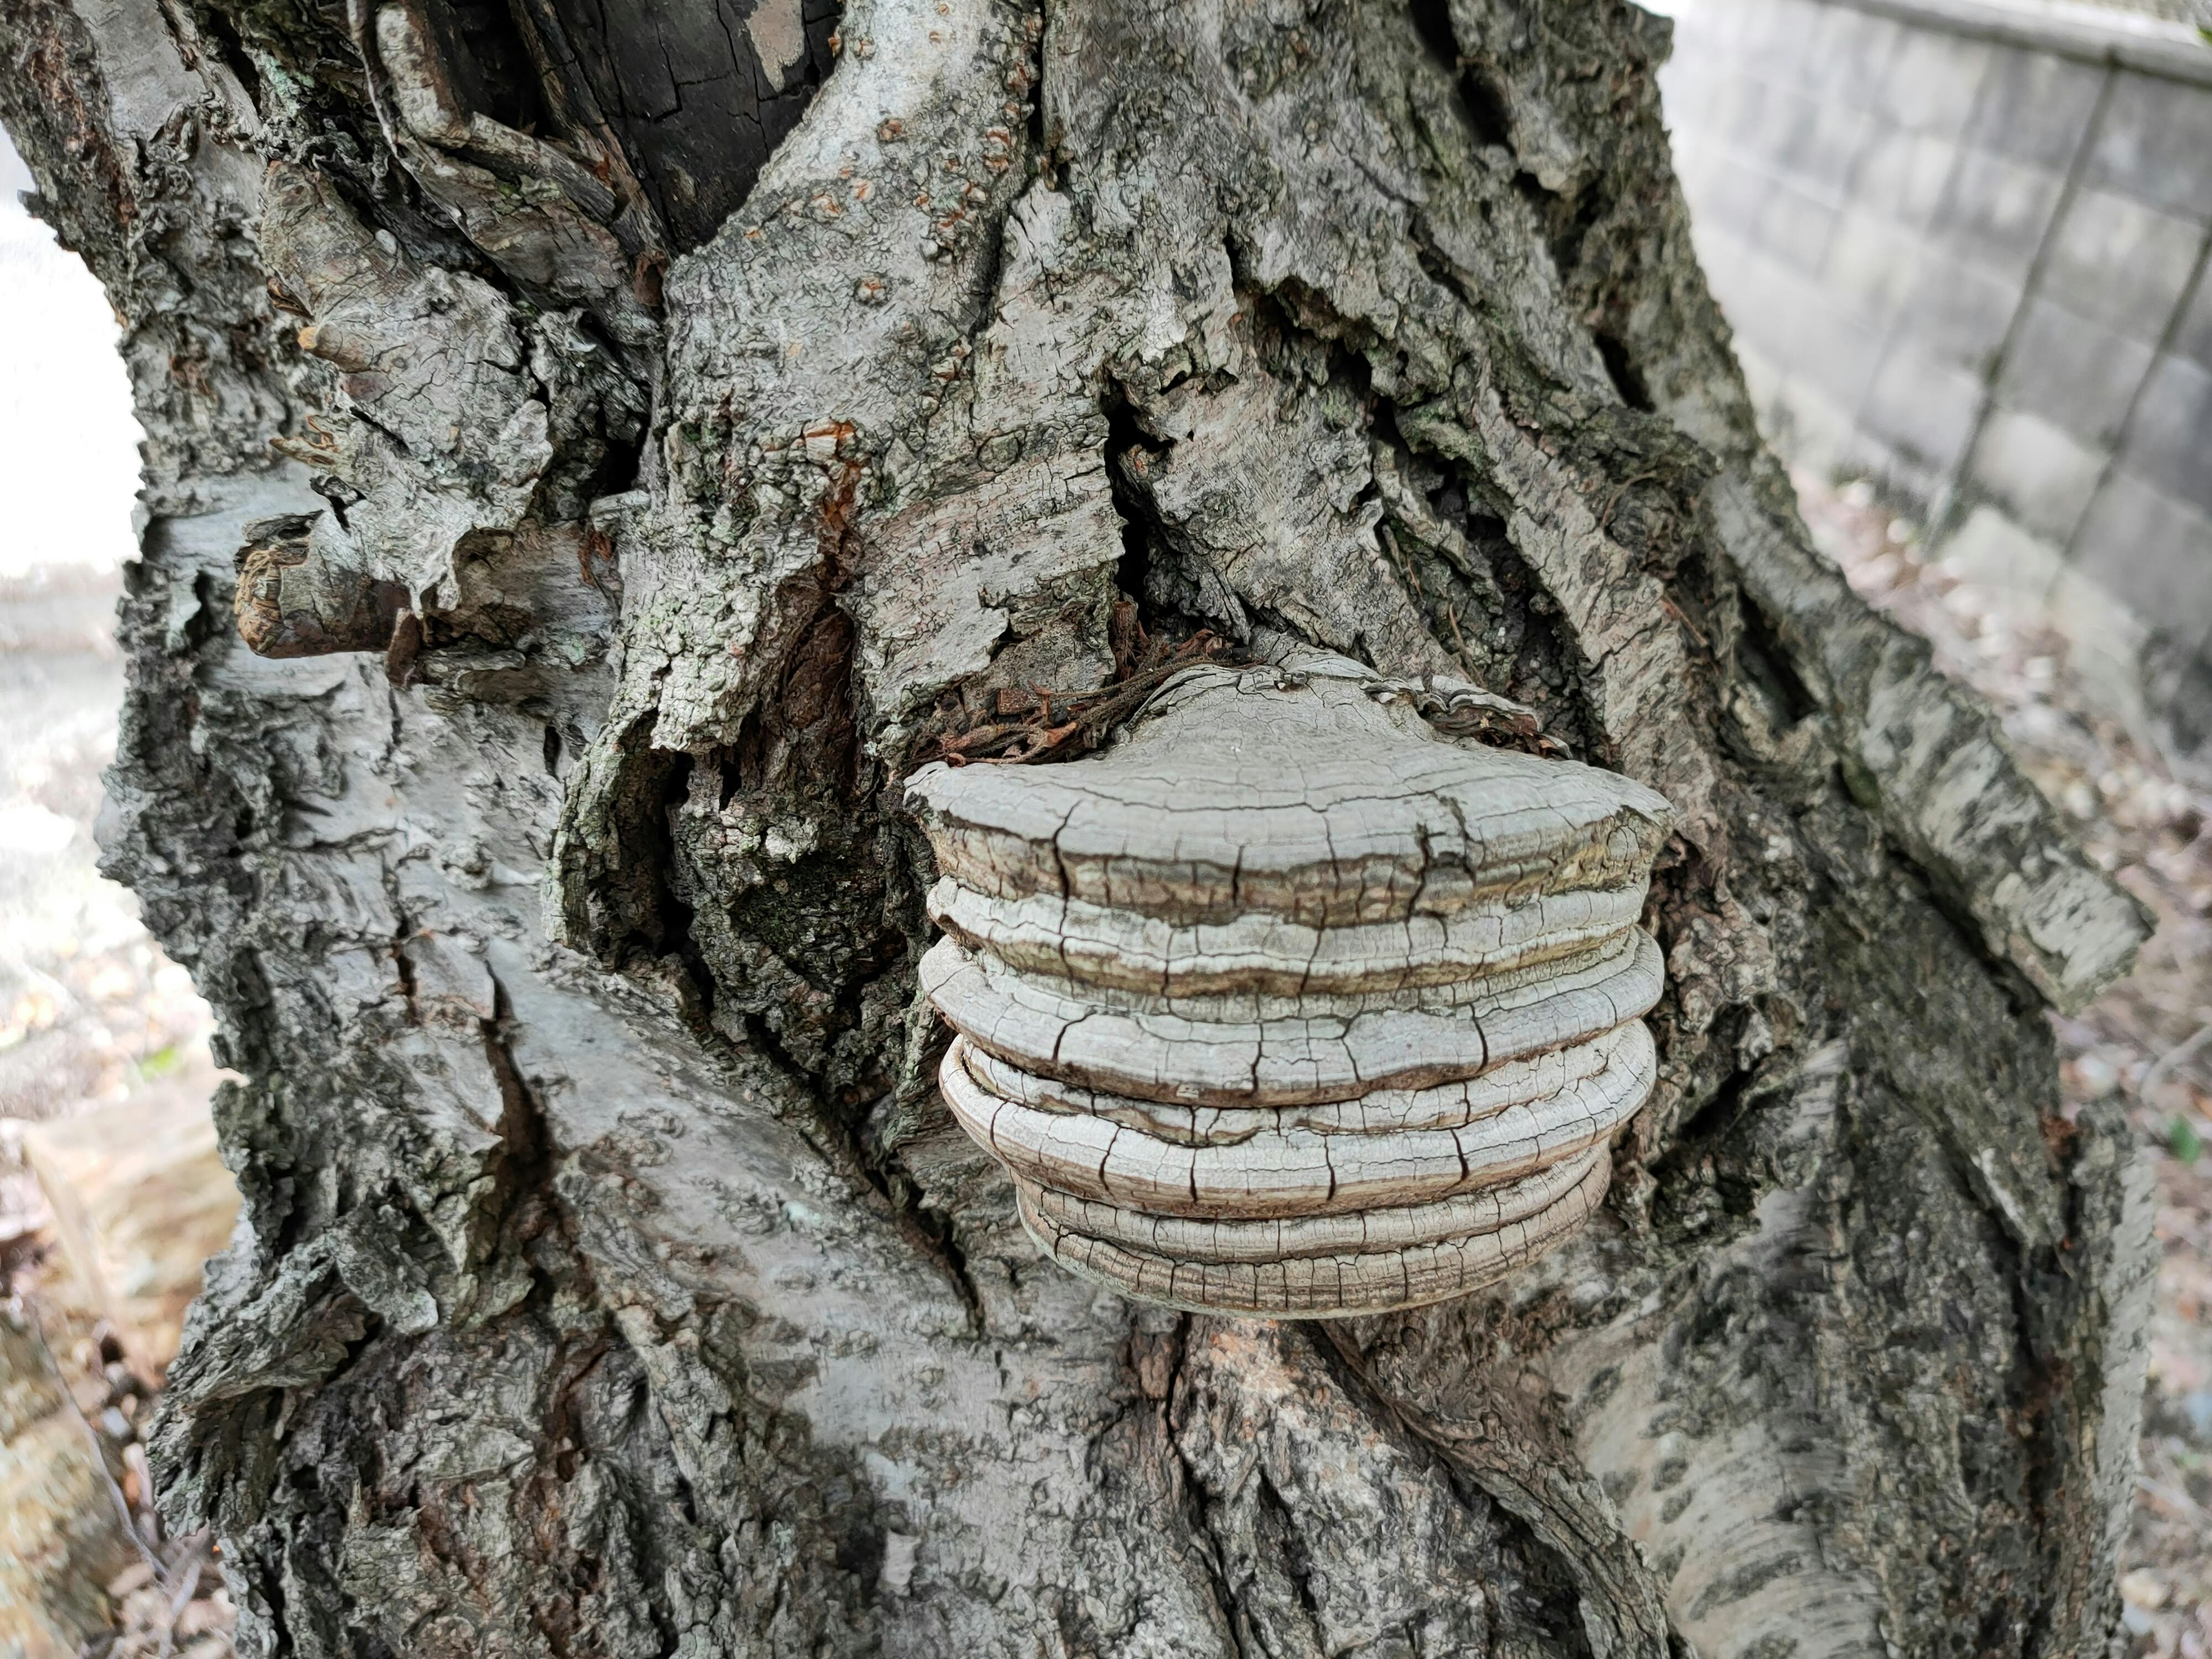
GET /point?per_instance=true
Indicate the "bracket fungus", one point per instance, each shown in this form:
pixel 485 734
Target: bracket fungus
pixel 1287 1004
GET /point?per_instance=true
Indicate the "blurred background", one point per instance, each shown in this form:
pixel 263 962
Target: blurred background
pixel 1962 243
pixel 110 1194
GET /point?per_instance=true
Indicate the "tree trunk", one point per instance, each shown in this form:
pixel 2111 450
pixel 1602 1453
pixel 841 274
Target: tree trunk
pixel 630 439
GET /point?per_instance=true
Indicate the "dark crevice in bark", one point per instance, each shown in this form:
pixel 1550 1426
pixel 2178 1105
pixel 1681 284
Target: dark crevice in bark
pixel 1278 1517
pixel 216 25
pixel 485 51
pixel 1433 22
pixel 1147 572
pixel 1599 285
pixel 820 919
pixel 1762 657
pixel 1498 1462
pixel 1494 612
pixel 1568 218
pixel 1491 609
pixel 1173 1393
pixel 934 1232
pixel 1483 107
pixel 1045 153
pixel 2022 999
pixel 523 1202
pixel 669 926
pixel 831 923
pixel 1486 109
pixel 1718 1161
pixel 1627 379
pixel 686 92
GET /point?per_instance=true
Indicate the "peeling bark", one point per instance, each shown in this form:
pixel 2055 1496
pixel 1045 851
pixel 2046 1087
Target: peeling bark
pixel 635 477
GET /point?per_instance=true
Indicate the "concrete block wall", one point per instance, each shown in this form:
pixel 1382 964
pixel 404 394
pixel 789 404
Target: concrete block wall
pixel 1963 246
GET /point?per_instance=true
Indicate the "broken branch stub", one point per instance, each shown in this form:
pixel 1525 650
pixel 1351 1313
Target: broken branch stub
pixel 1287 1005
pixel 290 603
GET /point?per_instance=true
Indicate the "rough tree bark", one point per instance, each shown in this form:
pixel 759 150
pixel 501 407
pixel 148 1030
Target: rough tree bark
pixel 658 427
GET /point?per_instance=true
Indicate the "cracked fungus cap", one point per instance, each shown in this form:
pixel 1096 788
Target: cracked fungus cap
pixel 1287 1004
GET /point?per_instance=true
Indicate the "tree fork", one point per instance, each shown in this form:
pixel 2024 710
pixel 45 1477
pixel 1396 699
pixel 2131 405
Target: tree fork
pixel 612 1278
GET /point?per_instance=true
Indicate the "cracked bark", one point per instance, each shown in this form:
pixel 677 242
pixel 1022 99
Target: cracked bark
pixel 611 1280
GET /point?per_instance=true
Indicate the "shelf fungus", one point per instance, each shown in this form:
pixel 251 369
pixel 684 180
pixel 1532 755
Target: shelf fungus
pixel 1287 1005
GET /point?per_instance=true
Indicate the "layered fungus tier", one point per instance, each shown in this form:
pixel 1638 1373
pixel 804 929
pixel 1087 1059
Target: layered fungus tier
pixel 1287 1004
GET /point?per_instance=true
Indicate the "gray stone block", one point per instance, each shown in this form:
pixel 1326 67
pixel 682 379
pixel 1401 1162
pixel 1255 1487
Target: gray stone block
pixel 2155 144
pixel 2042 475
pixel 1903 473
pixel 1932 81
pixel 1858 47
pixel 1736 114
pixel 1829 350
pixel 1831 150
pixel 1721 255
pixel 2178 683
pixel 1769 38
pixel 1815 45
pixel 1833 49
pixel 1766 300
pixel 1796 228
pixel 1762 375
pixel 1871 262
pixel 1869 197
pixel 2033 107
pixel 2077 373
pixel 1996 212
pixel 1784 31
pixel 1687 89
pixel 1784 317
pixel 1783 136
pixel 2155 551
pixel 1958 311
pixel 1694 161
pixel 1924 406
pixel 2193 339
pixel 2169 442
pixel 1903 174
pixel 1733 269
pixel 1735 196
pixel 1710 27
pixel 1692 65
pixel 1995 551
pixel 2124 262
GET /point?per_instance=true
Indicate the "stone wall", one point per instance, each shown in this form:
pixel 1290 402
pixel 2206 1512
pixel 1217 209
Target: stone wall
pixel 1963 246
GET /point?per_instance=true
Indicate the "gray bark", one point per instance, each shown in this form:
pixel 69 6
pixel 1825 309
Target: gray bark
pixel 611 1280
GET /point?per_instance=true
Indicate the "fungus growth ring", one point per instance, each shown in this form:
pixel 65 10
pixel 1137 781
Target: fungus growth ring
pixel 1286 1004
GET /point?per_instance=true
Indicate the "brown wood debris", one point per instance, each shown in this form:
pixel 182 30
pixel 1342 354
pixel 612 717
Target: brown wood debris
pixel 1025 725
